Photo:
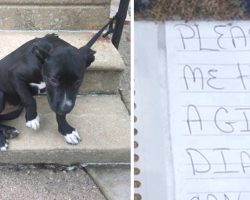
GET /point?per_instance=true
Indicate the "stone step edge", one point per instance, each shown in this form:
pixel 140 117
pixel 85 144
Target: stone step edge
pixel 101 146
pixel 91 94
pixel 117 68
pixel 88 158
pixel 54 2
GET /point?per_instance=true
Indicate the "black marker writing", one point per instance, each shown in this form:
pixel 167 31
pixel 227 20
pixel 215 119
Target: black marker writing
pixel 186 36
pixel 224 163
pixel 194 153
pixel 213 77
pixel 193 73
pixel 200 41
pixel 192 110
pixel 217 29
pixel 245 160
pixel 211 197
pixel 241 77
pixel 235 36
pixel 229 126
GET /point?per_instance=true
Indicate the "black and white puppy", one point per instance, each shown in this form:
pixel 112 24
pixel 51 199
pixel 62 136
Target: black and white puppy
pixel 50 62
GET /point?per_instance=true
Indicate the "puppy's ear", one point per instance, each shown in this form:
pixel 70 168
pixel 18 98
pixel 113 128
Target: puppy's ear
pixel 41 53
pixel 88 54
pixel 90 57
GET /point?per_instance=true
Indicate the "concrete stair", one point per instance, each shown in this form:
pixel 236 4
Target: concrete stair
pixel 104 74
pixel 101 120
pixel 53 14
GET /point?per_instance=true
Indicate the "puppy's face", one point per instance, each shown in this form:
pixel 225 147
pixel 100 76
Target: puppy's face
pixel 63 72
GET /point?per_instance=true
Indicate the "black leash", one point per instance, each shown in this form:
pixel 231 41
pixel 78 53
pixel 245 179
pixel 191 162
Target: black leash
pixel 110 30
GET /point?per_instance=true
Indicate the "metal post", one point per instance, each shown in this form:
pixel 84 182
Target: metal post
pixel 120 19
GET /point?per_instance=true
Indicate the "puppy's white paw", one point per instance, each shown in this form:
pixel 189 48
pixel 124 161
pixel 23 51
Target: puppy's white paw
pixel 34 123
pixel 4 148
pixel 73 137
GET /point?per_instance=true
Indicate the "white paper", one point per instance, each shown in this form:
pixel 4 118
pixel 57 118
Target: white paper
pixel 151 111
pixel 209 114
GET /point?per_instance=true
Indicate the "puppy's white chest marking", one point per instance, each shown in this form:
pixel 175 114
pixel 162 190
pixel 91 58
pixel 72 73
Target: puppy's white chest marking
pixel 40 86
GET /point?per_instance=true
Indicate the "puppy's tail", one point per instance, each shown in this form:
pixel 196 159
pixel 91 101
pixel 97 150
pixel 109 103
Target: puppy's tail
pixel 99 33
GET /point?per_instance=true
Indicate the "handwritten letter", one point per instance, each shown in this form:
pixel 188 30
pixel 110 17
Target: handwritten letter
pixel 209 93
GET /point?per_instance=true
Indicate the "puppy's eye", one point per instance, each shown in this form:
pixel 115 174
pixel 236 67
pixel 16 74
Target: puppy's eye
pixel 53 81
pixel 77 83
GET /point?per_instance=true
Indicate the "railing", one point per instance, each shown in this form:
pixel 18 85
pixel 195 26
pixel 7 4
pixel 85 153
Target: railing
pixel 118 20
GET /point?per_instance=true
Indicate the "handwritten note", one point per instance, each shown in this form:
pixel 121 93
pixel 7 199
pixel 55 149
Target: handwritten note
pixel 209 93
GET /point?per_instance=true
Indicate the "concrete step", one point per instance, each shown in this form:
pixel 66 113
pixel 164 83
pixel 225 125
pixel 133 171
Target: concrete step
pixel 102 122
pixel 53 14
pixel 104 74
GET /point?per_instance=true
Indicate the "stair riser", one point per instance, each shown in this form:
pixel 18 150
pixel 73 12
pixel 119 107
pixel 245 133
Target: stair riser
pixel 65 157
pixel 54 2
pixel 53 17
pixel 102 76
pixel 101 82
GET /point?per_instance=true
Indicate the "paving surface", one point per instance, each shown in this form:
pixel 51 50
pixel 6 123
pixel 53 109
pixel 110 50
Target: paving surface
pixel 114 182
pixel 42 184
pixel 103 124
